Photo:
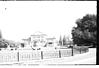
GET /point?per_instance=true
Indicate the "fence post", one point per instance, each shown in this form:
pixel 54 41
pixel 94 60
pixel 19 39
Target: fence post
pixel 18 56
pixel 72 50
pixel 41 54
pixel 59 54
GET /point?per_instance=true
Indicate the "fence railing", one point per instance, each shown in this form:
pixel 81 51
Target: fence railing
pixel 30 55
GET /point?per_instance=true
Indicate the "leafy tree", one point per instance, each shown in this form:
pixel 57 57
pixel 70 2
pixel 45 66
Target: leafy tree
pixel 86 31
pixel 3 43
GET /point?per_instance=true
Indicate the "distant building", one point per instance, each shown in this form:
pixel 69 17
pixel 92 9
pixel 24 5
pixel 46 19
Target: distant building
pixel 39 39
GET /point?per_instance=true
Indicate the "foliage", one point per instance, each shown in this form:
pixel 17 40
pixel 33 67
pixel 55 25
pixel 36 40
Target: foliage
pixel 86 31
pixel 3 43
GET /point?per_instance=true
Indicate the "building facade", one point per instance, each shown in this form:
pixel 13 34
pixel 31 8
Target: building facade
pixel 39 40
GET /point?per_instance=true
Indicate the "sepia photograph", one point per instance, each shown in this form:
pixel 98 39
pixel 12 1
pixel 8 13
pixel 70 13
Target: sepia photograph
pixel 48 33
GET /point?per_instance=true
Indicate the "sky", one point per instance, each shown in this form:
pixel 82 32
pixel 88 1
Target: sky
pixel 19 20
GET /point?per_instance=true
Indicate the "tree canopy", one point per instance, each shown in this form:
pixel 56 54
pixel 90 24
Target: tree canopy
pixel 86 31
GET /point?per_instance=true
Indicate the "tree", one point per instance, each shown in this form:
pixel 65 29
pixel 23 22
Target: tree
pixel 0 34
pixel 64 40
pixel 3 43
pixel 86 31
pixel 60 41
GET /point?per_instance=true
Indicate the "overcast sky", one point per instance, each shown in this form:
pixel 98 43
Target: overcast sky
pixel 19 20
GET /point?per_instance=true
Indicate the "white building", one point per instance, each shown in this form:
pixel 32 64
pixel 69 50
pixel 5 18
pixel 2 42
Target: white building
pixel 39 40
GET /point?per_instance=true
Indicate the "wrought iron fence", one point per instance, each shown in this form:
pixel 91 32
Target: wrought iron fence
pixel 30 55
